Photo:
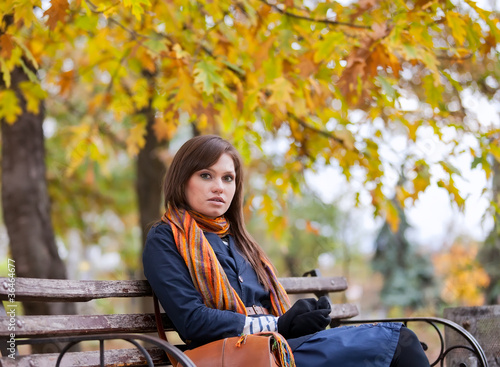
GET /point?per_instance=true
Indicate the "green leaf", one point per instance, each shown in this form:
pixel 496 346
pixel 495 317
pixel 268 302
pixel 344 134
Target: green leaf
pixel 433 92
pixel 31 75
pixel 86 22
pixel 208 75
pixel 326 48
pixel 452 81
pixel 387 87
pixel 449 168
pixel 234 67
pixel 476 162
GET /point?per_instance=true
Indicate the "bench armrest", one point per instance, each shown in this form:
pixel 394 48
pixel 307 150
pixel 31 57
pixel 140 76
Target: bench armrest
pixel 473 345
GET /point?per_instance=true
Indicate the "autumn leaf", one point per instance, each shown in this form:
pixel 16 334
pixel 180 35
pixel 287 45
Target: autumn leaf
pixel 164 128
pixel 325 49
pixel 311 227
pixel 387 87
pixel 306 66
pixel 34 94
pixel 56 13
pixel 434 92
pixel 5 73
pixel 281 93
pixel 463 275
pixel 24 11
pixel 66 82
pixel 208 75
pixel 458 26
pixel 137 7
pixel 354 73
pixel 140 95
pixel 412 129
pixel 423 178
pixel 136 138
pixel 187 96
pixel 346 137
pixel 363 6
pixel 9 106
pixel 392 216
pixel 6 45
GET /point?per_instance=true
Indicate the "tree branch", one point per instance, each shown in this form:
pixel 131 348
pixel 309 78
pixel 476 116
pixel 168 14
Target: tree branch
pixel 325 21
pixel 324 133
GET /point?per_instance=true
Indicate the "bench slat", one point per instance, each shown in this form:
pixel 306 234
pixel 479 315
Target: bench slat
pixel 69 325
pixel 63 290
pixel 344 311
pixel 300 285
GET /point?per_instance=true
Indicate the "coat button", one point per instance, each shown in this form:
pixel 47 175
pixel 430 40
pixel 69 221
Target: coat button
pixel 240 279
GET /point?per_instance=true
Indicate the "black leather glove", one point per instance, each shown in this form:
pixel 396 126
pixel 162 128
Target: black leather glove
pixel 305 317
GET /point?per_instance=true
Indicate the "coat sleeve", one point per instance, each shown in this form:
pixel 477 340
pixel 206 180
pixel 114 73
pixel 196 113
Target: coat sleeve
pixel 169 278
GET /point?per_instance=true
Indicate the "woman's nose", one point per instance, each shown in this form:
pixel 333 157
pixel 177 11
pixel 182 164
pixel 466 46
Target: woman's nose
pixel 217 187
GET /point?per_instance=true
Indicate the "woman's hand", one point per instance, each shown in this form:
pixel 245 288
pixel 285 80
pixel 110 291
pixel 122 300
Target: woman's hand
pixel 305 317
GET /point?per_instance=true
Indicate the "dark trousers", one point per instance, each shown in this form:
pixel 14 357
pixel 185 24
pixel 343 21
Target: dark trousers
pixel 409 351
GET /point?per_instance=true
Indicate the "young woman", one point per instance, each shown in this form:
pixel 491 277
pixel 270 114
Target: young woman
pixel 214 281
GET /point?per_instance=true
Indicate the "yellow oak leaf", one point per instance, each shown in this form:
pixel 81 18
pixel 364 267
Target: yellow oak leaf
pixel 166 126
pixel 24 11
pixel 140 93
pixel 457 25
pixel 137 7
pixel 392 216
pixel 5 73
pixel 136 138
pixel 187 96
pixel 282 91
pixel 423 178
pixel 34 94
pixel 9 106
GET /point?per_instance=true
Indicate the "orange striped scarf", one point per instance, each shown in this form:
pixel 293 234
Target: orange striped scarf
pixel 206 272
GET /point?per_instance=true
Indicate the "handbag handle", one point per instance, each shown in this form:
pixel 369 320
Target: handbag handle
pixel 161 329
pixel 159 323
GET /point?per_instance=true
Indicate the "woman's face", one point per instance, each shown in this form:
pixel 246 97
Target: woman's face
pixel 210 191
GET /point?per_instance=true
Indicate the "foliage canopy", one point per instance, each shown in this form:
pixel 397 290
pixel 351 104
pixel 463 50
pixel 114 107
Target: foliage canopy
pixel 335 80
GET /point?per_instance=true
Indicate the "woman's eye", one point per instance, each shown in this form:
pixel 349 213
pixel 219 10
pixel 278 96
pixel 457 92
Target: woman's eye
pixel 205 176
pixel 228 178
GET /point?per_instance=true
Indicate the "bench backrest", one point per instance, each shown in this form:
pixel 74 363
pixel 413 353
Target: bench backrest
pixel 52 290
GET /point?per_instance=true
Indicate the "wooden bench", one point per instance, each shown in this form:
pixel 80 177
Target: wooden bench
pixel 17 330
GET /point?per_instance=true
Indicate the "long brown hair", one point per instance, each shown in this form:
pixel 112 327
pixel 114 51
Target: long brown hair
pixel 202 152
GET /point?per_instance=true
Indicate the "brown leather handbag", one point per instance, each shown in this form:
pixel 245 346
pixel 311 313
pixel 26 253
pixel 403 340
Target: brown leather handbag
pixel 265 349
pixel 249 350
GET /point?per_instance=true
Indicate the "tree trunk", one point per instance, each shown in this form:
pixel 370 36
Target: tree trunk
pixel 26 203
pixel 150 171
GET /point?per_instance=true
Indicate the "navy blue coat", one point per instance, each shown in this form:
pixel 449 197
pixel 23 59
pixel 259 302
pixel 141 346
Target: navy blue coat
pixel 169 277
